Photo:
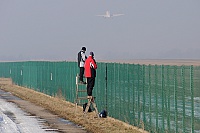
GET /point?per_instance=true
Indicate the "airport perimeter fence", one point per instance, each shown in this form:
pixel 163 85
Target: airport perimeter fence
pixel 158 98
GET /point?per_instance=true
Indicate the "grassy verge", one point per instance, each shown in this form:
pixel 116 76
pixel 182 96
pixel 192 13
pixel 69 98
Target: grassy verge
pixel 66 110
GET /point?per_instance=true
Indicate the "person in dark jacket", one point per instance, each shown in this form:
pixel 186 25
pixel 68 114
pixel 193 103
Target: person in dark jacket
pixel 81 61
pixel 90 72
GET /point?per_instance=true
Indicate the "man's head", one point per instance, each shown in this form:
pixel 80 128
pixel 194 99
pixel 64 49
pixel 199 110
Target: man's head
pixel 92 54
pixel 83 48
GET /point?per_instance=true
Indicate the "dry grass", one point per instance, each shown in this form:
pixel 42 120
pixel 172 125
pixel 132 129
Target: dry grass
pixel 66 110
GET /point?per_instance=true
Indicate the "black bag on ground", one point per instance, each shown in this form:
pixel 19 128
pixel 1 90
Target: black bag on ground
pixel 103 114
pixel 84 107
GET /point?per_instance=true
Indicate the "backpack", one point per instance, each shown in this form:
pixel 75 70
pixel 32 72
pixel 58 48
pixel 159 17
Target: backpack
pixel 84 107
pixel 103 114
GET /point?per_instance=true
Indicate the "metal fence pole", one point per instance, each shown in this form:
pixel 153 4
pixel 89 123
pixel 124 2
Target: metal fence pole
pixel 175 99
pixel 156 95
pixel 183 96
pixel 138 94
pixel 163 100
pixel 134 101
pixel 168 94
pixel 143 91
pixel 192 97
pixel 115 84
pixel 150 91
pixel 106 86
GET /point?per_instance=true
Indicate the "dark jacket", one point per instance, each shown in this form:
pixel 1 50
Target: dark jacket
pixel 81 59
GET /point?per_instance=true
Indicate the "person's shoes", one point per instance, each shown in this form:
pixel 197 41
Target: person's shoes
pixel 82 82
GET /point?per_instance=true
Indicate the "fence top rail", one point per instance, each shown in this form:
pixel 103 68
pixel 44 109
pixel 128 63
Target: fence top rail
pixel 172 62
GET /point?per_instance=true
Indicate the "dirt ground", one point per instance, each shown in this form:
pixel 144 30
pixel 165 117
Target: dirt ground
pixel 52 108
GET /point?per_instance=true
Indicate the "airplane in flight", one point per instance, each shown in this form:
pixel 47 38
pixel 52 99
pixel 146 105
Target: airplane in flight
pixel 108 15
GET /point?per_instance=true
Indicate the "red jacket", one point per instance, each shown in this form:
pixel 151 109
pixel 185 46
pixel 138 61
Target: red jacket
pixel 90 67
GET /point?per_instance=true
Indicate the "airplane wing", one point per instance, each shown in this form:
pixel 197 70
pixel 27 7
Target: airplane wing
pixel 101 15
pixel 115 15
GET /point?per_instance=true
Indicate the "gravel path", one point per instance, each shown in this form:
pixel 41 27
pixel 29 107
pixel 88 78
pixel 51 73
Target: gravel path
pixel 20 116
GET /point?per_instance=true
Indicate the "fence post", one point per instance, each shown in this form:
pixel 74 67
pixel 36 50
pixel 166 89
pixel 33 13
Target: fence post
pixel 115 112
pixel 175 98
pixel 168 105
pixel 192 98
pixel 134 100
pixel 163 98
pixel 156 95
pixel 150 92
pixel 143 89
pixel 183 96
pixel 106 87
pixel 138 94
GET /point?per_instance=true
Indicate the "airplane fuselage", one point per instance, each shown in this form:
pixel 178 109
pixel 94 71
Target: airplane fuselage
pixel 107 14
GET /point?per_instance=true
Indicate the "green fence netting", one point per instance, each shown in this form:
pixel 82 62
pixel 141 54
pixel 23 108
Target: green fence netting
pixel 158 98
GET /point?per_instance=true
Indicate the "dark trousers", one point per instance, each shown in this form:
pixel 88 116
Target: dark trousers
pixel 81 73
pixel 90 85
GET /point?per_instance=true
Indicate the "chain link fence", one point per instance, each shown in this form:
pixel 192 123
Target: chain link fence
pixel 157 98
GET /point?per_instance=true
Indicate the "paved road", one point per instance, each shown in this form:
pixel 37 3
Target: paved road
pixel 19 116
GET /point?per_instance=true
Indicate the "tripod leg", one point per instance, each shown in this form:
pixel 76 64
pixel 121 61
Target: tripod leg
pixel 88 105
pixel 95 107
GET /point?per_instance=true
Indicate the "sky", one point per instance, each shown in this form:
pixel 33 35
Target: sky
pixel 57 29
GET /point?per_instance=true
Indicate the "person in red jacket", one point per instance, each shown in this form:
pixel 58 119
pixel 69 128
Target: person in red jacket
pixel 90 73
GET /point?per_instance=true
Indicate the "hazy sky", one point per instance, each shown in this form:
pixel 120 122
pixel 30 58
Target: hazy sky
pixel 57 29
